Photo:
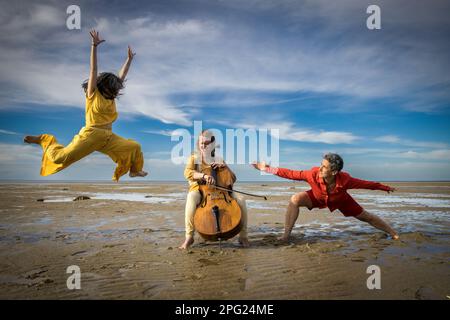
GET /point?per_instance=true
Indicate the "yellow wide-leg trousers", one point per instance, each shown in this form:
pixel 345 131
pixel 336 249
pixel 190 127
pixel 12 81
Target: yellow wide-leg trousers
pixel 126 153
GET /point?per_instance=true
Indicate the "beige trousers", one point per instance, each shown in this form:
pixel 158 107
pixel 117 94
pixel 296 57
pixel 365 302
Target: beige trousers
pixel 193 200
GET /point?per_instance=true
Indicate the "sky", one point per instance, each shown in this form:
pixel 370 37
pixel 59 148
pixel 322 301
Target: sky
pixel 311 69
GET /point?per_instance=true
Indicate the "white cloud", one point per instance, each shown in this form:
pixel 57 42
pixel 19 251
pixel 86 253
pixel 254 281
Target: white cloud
pixel 388 139
pixel 177 55
pixel 182 57
pixel 386 154
pixel 46 16
pixel 443 155
pixel 392 139
pixel 290 131
pixel 30 19
pixel 8 132
pixel 17 152
pixel 167 133
pixel 401 171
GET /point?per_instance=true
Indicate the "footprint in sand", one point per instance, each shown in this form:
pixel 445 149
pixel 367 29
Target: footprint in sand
pixel 78 252
pixel 249 284
pixel 35 273
pixel 207 262
pixel 149 292
pixel 426 293
pixel 358 259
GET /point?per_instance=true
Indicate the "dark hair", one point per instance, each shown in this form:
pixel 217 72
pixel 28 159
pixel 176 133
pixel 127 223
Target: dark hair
pixel 108 84
pixel 335 161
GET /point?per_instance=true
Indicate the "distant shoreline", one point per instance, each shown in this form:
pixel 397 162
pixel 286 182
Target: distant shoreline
pixel 184 181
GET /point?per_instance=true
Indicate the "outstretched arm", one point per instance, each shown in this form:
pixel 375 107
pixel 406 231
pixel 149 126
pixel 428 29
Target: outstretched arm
pixel 124 70
pixel 92 83
pixel 354 183
pixel 301 175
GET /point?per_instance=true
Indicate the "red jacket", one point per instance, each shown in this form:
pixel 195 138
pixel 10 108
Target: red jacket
pixel 343 182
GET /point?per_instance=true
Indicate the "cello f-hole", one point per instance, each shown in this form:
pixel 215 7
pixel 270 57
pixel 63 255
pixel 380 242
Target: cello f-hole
pixel 216 213
pixel 226 198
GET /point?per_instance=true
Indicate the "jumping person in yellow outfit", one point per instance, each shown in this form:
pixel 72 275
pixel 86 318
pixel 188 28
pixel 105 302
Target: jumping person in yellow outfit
pixel 97 135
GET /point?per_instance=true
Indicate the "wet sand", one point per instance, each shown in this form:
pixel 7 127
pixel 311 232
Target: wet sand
pixel 125 240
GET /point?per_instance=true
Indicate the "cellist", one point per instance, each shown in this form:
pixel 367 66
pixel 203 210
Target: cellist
pixel 198 171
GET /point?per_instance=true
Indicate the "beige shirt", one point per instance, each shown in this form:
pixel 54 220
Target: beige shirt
pixel 193 165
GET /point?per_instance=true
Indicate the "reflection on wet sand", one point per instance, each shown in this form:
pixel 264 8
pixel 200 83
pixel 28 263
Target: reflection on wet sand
pixel 125 239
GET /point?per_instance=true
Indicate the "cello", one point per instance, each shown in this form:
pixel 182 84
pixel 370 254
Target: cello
pixel 218 216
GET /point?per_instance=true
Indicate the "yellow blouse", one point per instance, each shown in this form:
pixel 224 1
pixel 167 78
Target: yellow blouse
pixel 192 167
pixel 99 110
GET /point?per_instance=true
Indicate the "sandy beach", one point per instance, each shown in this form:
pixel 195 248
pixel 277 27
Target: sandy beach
pixel 125 240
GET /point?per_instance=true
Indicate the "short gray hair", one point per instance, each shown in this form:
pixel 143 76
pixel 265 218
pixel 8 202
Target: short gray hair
pixel 335 161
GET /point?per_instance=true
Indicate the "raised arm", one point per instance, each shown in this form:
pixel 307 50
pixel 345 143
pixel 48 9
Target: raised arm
pixel 92 82
pixel 124 70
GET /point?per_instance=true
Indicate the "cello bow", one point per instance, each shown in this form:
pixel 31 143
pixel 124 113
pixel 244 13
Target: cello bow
pixel 232 190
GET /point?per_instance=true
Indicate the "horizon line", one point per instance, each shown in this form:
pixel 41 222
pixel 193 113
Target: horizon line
pixel 146 181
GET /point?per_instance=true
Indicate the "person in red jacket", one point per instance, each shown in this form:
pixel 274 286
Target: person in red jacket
pixel 329 187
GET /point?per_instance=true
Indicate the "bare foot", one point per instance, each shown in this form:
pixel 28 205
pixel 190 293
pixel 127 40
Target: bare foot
pixel 244 242
pixel 187 243
pixel 32 139
pixel 138 174
pixel 395 237
pixel 283 238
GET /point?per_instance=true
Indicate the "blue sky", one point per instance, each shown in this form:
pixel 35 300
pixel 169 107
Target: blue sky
pixel 311 69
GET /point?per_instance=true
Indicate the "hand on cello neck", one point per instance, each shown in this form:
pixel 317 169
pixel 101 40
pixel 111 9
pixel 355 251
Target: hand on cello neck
pixel 209 179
